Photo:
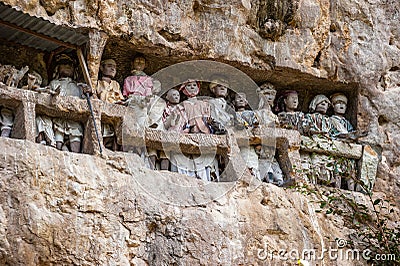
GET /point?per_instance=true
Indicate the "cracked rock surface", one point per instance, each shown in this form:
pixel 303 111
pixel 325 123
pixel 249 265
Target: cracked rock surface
pixel 62 208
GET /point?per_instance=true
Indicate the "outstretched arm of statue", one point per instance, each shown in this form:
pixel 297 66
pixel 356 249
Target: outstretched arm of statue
pixel 172 120
pixel 85 88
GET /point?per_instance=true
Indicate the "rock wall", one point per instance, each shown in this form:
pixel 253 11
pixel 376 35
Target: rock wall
pixel 61 208
pixel 319 44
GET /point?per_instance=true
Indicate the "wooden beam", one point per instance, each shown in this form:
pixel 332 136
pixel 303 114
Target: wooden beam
pixel 83 65
pixel 39 35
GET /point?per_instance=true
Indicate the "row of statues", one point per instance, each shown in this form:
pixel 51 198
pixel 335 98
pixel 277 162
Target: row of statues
pixel 317 121
pixel 194 114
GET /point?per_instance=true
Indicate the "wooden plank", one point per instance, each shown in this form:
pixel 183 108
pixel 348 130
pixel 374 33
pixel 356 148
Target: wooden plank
pixel 187 143
pixel 331 147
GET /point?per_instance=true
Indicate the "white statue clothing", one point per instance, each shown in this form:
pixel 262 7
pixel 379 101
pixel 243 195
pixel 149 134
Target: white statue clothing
pixel 139 105
pixel 219 111
pixel 67 87
pixel 6 118
pixel 204 167
pixel 64 127
pixel 250 156
pixel 44 124
pixel 267 117
pixel 155 112
pixel 270 171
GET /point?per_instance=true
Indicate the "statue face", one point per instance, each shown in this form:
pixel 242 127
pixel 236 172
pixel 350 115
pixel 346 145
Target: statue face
pixel 66 70
pixel 291 102
pixel 240 100
pixel 139 63
pixel 109 70
pixel 192 88
pixel 339 107
pixel 322 107
pixel 173 96
pixel 220 91
pixel 270 97
pixel 31 79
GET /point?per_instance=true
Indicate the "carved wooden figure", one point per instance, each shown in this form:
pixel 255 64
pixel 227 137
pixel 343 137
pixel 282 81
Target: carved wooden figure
pixel 155 111
pixel 288 116
pixel 221 111
pixel 63 84
pixel 6 121
pixel 108 90
pixel 317 122
pixel 139 83
pixel 34 81
pixel 266 94
pixel 174 118
pixel 196 112
pixel 244 119
pixel 269 168
pixel 341 127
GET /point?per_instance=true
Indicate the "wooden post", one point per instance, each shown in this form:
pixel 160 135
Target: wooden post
pixel 83 65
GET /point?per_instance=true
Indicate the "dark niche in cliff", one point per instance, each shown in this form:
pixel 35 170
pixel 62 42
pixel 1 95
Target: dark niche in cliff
pixel 275 16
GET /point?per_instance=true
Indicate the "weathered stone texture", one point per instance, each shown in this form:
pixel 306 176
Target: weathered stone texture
pixel 74 209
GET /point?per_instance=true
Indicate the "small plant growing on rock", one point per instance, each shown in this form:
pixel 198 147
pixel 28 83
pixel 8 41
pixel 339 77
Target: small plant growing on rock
pixel 373 221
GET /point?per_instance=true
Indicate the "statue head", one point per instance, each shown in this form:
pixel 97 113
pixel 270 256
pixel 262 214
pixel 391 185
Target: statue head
pixel 219 87
pixel 65 67
pixel 139 63
pixel 108 68
pixel 173 96
pixel 266 93
pixel 290 100
pixel 190 88
pixel 319 104
pixel 339 102
pixel 34 78
pixel 240 100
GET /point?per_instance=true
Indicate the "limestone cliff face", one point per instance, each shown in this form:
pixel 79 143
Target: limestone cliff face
pixel 61 208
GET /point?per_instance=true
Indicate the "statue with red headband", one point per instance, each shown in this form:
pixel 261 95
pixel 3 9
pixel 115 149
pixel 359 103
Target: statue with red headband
pixel 197 111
